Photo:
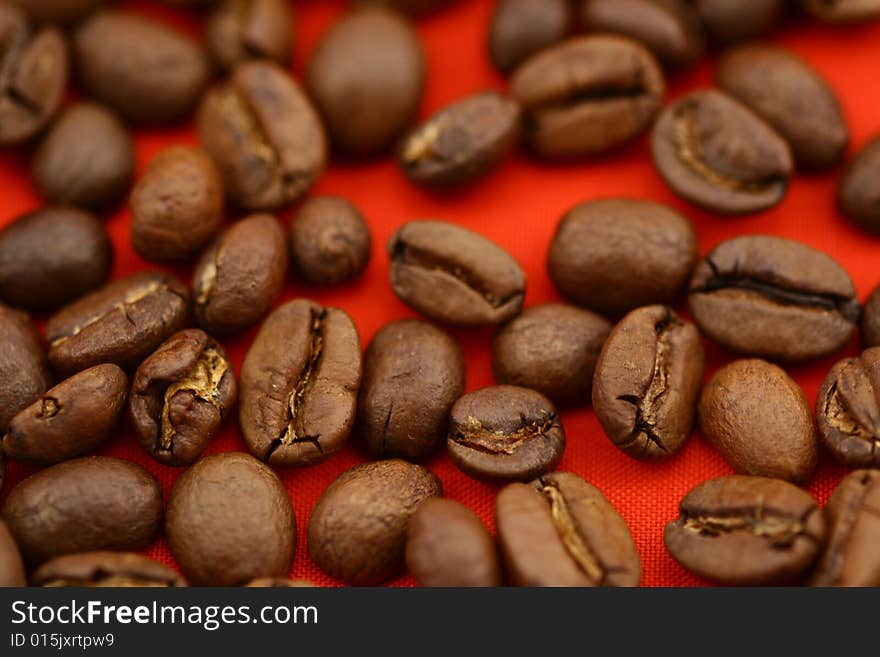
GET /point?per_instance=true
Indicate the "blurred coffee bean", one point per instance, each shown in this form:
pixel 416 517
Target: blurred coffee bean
pixel 522 28
pixel 106 569
pixel 858 196
pixel 244 29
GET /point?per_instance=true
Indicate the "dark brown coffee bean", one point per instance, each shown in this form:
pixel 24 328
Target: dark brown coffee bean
pixel 716 153
pixel 121 323
pixel 357 530
pixel 264 135
pixel 871 320
pixel 51 257
pixel 553 349
pixel 11 565
pixel 35 65
pixel 71 419
pixel 858 196
pixel 180 396
pixel 454 275
pixel 448 546
pixel 413 6
pixel 843 11
pixel 647 382
pixel 615 255
pixel 462 143
pixel 279 583
pixel 58 11
pixel 2 470
pixel 522 28
pixel 766 296
pixel 330 242
pixel 802 108
pixel 299 384
pixel 240 276
pixel 853 515
pixel 733 21
pixel 747 531
pixel 24 369
pixel 588 95
pixel 367 76
pixel 561 531
pixel 759 419
pixel 106 569
pixel 86 159
pixel 92 503
pixel 244 29
pixel 230 520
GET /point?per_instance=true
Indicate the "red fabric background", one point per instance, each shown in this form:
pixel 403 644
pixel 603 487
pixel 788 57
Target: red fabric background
pixel 519 207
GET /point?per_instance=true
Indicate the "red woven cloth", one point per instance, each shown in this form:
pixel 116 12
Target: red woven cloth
pixel 519 208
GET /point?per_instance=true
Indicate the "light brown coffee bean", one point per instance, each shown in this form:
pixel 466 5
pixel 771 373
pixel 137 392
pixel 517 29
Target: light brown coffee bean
pixel 244 29
pixel 106 569
pixel 858 197
pixel 522 28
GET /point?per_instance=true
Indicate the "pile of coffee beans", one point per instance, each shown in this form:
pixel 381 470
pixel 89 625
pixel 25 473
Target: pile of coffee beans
pixel 584 79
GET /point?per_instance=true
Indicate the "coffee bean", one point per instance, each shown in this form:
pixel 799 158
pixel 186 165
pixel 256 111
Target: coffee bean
pixel 91 503
pixel 278 583
pixel 71 419
pixel 86 159
pixel 871 319
pixel 747 531
pixel 462 143
pixel 51 257
pixel 264 135
pixel 35 63
pixel 760 421
pixel 2 470
pixel 357 530
pixel 106 569
pixel 553 349
pixel 448 546
pixel 240 276
pixel 853 515
pixel 561 531
pixel 24 369
pixel 775 298
pixel 230 520
pixel 121 323
pixel 647 382
pixel 858 196
pixel 588 95
pixel 330 242
pixel 180 396
pixel 522 28
pixel 11 565
pixel 802 108
pixel 716 153
pixel 299 384
pixel 615 255
pixel 454 275
pixel 843 11
pixel 58 11
pixel 367 75
pixel 413 6
pixel 244 29
pixel 734 21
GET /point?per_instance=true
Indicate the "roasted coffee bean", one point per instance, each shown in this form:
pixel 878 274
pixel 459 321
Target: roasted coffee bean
pixel 92 503
pixel 871 320
pixel 588 95
pixel 858 196
pixel 330 242
pixel 121 323
pixel 86 159
pixel 2 470
pixel 367 76
pixel 759 419
pixel 413 373
pixel 454 275
pixel 299 384
pixel 853 515
pixel 561 531
pixel 462 143
pixel 240 276
pixel 357 530
pixel 733 21
pixel 264 135
pixel 505 433
pixel 106 569
pixel 229 521
pixel 747 531
pixel 843 11
pixel 278 583
pixel 243 29
pixel 669 28
pixel 51 257
pixel 448 546
pixel 71 419
pixel 553 349
pixel 647 382
pixel 615 255
pixel 414 6
pixel 180 396
pixel 11 565
pixel 716 153
pixel 802 107
pixel 35 65
pixel 24 370
pixel 522 28
pixel 58 11
pixel 771 297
